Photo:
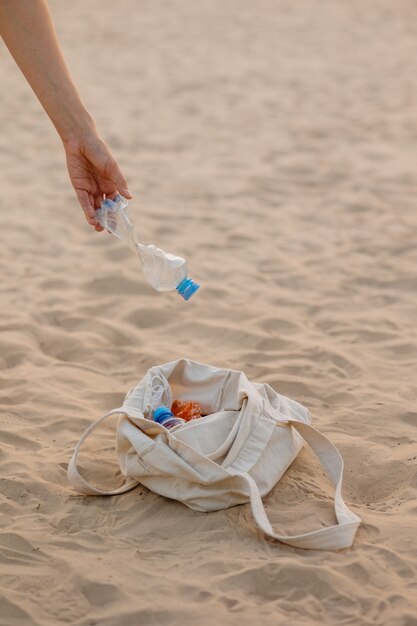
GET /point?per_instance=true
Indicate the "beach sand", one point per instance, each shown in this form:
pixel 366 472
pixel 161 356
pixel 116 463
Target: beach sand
pixel 274 145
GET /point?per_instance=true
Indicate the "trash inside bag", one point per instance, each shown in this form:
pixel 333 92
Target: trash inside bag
pixel 163 271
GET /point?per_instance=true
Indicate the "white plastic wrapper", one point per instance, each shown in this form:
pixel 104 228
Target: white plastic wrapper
pixel 163 271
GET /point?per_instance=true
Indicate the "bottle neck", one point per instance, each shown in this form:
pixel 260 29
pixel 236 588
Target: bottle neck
pixel 187 287
pixel 162 414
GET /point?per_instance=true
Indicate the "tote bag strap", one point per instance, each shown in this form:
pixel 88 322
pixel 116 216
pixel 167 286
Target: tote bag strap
pixel 74 476
pixel 332 537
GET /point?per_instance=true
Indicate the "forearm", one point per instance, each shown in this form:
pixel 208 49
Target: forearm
pixel 27 30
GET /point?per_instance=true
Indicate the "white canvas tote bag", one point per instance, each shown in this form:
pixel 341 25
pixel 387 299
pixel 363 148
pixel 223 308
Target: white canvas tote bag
pixel 236 453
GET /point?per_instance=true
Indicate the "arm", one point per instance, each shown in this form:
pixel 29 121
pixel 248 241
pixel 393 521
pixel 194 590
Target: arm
pixel 28 32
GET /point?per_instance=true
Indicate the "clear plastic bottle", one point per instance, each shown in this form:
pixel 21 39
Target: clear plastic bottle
pixel 164 416
pixel 163 271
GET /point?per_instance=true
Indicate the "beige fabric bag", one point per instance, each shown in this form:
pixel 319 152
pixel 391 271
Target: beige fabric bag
pixel 235 454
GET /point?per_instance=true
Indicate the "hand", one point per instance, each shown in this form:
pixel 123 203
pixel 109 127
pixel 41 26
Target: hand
pixel 93 173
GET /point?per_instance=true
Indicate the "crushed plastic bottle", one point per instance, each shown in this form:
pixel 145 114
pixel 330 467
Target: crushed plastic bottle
pixel 163 271
pixel 186 409
pixel 164 416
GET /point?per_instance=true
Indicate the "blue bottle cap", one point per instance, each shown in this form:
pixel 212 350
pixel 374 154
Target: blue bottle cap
pixel 161 414
pixel 187 287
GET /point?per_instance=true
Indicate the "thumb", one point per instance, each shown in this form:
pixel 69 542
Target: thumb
pixel 120 182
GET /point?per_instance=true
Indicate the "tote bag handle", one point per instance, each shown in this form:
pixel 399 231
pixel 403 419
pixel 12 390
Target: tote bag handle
pixel 334 537
pixel 78 482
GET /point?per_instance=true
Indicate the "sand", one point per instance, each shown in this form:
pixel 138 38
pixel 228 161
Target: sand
pixel 274 145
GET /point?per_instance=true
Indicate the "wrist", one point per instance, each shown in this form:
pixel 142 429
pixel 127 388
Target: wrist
pixel 76 129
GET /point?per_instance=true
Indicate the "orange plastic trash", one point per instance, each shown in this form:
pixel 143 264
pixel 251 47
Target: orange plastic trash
pixel 186 409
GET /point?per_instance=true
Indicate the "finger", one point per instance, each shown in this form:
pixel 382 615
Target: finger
pixel 97 200
pixel 87 206
pixel 107 188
